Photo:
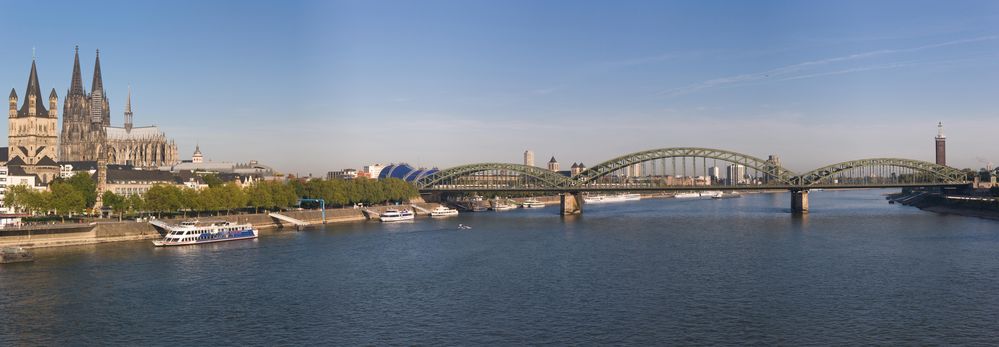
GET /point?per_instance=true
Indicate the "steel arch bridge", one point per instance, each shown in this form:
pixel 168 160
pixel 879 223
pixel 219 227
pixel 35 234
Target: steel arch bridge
pixel 770 169
pixel 677 169
pixel 492 176
pixel 923 172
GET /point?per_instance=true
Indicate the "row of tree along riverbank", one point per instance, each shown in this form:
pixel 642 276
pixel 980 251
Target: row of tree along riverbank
pixel 78 195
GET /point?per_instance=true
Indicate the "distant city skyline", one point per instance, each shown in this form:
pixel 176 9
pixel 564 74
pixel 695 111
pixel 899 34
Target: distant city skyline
pixel 312 87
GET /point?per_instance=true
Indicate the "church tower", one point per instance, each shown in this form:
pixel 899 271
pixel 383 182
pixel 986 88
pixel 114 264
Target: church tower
pixel 31 131
pixel 75 113
pixel 100 115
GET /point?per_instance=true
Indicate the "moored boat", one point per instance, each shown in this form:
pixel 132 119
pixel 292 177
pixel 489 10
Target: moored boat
pixel 396 216
pixel 532 203
pixel 598 199
pixel 443 211
pixel 697 195
pixel 194 232
pixel 15 255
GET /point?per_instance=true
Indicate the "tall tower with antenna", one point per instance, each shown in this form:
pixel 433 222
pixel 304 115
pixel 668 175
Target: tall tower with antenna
pixel 941 145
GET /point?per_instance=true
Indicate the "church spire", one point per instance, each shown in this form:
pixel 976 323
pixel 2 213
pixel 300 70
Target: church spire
pixel 97 100
pixel 128 111
pixel 34 104
pixel 76 87
pixel 98 83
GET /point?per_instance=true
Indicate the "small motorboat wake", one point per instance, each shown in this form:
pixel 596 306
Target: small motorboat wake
pixel 464 227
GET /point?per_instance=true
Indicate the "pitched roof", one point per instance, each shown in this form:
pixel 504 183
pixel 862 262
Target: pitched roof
pixel 46 161
pixel 17 161
pixel 4 154
pixel 139 176
pixel 553 160
pixel 33 89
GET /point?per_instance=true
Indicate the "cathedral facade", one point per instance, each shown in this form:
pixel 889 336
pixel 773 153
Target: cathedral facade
pixel 87 134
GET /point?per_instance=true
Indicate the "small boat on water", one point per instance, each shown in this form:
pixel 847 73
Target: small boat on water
pixel 194 232
pixel 464 227
pixel 396 216
pixel 532 203
pixel 479 208
pixel 443 211
pixel 15 255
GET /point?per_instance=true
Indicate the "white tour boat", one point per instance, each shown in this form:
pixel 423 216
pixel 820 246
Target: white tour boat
pixel 443 211
pixel 697 195
pixel 532 203
pixel 396 216
pixel 598 199
pixel 194 232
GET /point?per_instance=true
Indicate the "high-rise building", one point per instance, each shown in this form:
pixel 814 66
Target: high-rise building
pixel 772 166
pixel 528 158
pixel 736 174
pixel 553 165
pixel 714 173
pixel 635 170
pixel 941 145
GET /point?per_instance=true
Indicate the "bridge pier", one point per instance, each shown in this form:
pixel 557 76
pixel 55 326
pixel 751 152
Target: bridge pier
pixel 571 203
pixel 799 201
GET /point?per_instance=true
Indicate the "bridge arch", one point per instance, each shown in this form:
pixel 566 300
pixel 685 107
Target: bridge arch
pixel 897 169
pixel 773 171
pixel 487 176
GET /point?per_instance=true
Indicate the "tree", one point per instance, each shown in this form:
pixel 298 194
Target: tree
pixel 163 197
pixel 27 198
pixel 135 202
pixel 259 195
pixel 212 180
pixel 117 203
pixel 83 183
pixel 66 199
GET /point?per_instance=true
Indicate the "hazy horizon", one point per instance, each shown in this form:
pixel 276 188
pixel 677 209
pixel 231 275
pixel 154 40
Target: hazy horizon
pixel 310 87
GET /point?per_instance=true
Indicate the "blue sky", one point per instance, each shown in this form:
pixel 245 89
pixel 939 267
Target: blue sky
pixel 314 86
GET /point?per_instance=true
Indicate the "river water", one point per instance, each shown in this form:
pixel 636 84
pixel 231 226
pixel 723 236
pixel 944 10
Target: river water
pixel 735 271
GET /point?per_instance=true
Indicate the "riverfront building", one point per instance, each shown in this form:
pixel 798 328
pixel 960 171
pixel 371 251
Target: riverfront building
pixel 553 165
pixel 528 158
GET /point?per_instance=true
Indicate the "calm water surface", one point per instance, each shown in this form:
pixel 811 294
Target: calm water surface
pixel 738 271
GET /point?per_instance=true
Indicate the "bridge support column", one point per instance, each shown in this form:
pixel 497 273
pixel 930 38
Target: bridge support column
pixel 571 203
pixel 799 201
